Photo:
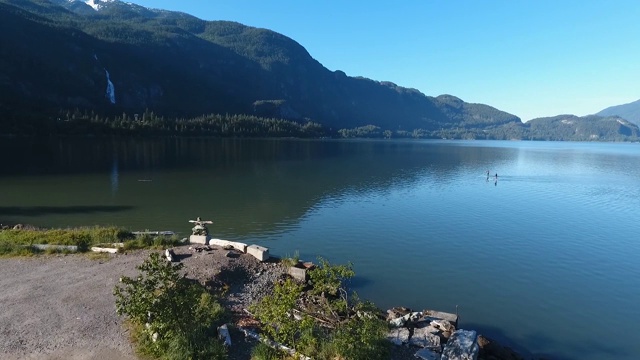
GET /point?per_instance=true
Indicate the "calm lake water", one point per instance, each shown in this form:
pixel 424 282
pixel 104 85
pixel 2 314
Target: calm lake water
pixel 547 258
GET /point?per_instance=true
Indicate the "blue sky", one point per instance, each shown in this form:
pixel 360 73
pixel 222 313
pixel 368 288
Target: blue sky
pixel 530 58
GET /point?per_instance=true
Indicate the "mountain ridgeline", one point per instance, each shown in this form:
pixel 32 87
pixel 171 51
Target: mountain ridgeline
pixel 106 59
pixel 630 111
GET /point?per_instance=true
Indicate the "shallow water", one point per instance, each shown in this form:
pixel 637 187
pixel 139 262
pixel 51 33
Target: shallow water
pixel 544 258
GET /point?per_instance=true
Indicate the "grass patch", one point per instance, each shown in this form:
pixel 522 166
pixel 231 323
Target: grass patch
pixel 147 241
pixel 291 260
pixel 98 256
pixel 20 242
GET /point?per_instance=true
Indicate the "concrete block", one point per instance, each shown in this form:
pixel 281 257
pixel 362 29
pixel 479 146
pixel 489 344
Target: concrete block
pixel 259 252
pixel 236 245
pixel 297 273
pixel 101 249
pixel 198 239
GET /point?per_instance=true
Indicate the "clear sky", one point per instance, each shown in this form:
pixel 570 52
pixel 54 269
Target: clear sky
pixel 531 58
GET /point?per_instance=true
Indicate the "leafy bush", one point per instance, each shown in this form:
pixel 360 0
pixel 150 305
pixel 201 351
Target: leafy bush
pixel 323 322
pixel 328 279
pixel 179 313
pixel 276 311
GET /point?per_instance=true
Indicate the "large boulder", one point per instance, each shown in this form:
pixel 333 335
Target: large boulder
pixel 462 345
pixel 425 338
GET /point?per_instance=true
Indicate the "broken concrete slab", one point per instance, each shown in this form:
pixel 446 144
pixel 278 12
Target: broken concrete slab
pixel 452 318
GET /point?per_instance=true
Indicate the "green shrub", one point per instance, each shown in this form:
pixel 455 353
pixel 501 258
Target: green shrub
pixel 333 324
pixel 329 279
pixel 180 311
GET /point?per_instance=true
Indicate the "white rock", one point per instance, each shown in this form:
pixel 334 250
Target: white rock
pixel 223 334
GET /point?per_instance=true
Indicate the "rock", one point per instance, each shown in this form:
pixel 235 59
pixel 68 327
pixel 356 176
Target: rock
pixel 422 337
pixel 461 346
pixel 223 334
pixel 401 321
pixel 426 354
pixel 397 312
pixel 443 325
pixel 170 255
pixel 490 349
pixel 398 336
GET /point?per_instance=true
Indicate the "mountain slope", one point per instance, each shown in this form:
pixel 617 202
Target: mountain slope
pixel 570 128
pixel 65 54
pixel 630 111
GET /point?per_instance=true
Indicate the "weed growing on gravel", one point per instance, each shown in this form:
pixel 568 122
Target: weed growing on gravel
pixel 291 260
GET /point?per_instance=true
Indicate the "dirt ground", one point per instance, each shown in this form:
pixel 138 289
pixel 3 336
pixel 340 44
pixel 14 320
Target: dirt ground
pixel 62 306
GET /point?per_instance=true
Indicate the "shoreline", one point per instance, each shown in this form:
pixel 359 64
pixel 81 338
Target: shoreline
pixel 62 307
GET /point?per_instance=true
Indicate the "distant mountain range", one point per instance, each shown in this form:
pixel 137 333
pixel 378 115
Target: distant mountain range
pixel 630 111
pixel 109 57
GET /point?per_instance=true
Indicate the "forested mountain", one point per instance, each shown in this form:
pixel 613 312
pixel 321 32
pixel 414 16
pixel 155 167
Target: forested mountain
pixel 70 66
pixel 630 111
pixel 63 54
pixel 570 128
